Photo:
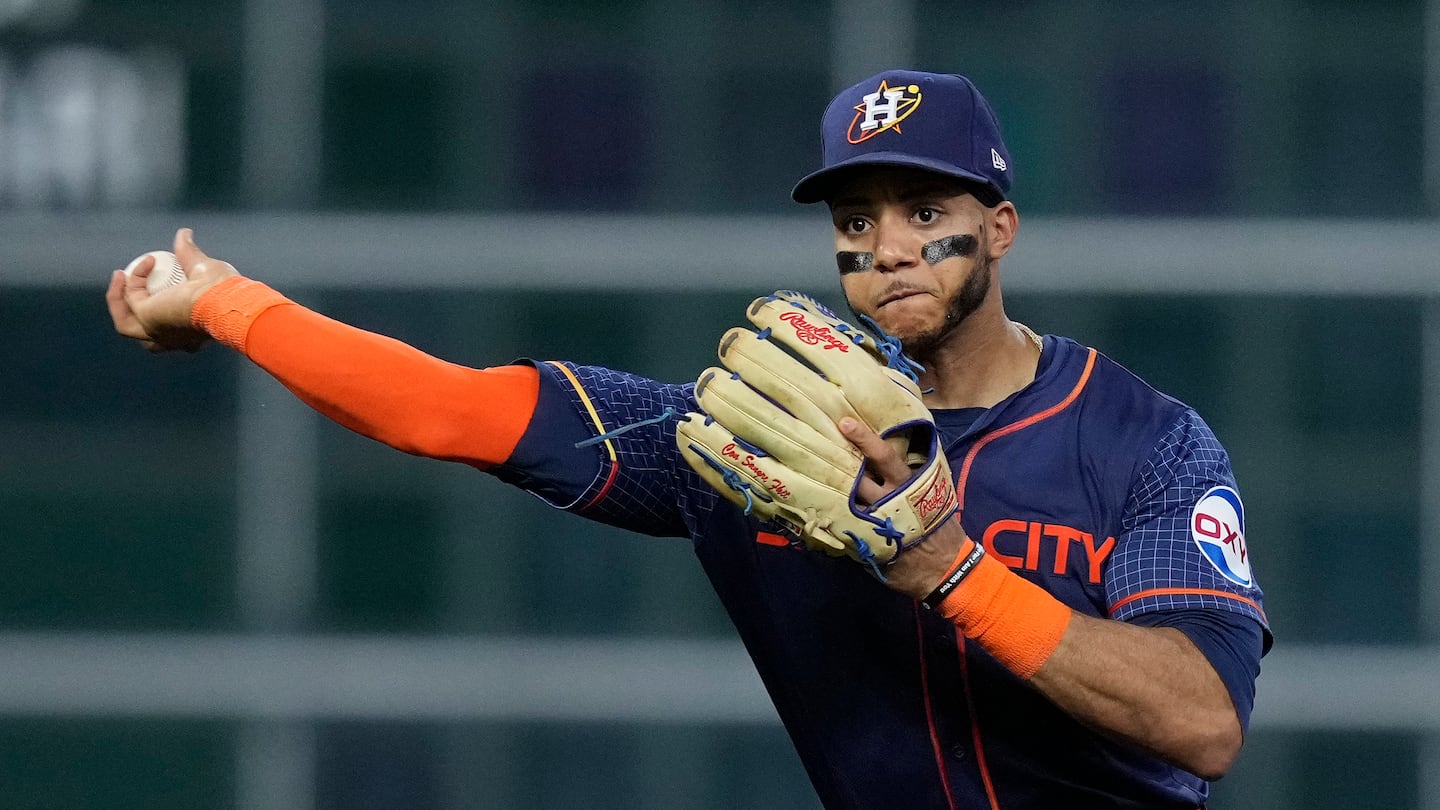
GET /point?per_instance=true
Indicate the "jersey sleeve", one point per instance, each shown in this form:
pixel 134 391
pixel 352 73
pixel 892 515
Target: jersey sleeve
pixel 1232 643
pixel 1183 542
pixel 628 472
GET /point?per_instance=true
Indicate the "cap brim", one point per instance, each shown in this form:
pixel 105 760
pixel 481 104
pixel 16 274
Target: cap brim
pixel 818 186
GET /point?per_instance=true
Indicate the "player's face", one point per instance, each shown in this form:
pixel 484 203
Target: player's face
pixel 914 252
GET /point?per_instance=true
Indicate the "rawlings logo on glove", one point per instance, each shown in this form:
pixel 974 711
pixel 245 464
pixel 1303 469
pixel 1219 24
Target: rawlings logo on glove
pixel 812 335
pixel 768 440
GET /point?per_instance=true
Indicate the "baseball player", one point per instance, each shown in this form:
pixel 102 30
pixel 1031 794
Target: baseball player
pixel 1060 611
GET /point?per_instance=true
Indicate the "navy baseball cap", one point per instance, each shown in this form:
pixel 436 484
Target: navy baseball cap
pixel 933 121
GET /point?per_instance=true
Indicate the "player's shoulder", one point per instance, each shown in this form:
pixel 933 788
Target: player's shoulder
pixel 1121 413
pixel 1108 383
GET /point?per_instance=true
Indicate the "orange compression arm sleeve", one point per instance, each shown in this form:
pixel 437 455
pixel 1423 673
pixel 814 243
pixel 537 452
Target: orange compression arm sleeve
pixel 1017 621
pixel 374 385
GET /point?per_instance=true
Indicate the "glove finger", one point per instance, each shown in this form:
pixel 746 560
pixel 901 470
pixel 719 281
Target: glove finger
pixel 845 354
pixel 701 442
pixel 803 342
pixel 813 398
pixel 796 387
pixel 769 429
pixel 775 491
pixel 828 346
pixel 781 495
pixel 800 300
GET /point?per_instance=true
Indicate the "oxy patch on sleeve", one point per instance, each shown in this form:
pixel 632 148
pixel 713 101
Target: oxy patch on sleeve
pixel 1217 525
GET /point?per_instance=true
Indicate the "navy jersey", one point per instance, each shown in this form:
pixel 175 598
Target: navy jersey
pixel 1116 499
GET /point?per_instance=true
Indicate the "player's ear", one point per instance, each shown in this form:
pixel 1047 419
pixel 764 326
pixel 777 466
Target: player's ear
pixel 1004 223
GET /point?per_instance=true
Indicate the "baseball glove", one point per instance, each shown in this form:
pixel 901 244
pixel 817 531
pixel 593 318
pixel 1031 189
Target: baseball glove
pixel 768 440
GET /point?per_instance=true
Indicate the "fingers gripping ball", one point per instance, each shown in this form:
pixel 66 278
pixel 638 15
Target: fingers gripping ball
pixel 167 271
pixel 767 438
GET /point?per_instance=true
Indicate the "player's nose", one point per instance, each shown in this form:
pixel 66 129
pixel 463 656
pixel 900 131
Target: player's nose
pixel 895 247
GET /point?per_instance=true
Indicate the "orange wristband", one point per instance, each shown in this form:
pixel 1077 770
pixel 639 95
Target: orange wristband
pixel 1014 619
pixel 228 309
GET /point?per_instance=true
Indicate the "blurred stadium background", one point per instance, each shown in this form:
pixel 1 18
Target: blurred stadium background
pixel 210 598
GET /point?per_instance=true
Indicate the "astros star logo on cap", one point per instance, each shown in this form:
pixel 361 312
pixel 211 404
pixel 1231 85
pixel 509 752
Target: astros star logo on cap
pixel 875 116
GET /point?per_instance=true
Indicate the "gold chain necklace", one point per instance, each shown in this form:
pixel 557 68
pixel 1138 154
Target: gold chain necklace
pixel 1034 338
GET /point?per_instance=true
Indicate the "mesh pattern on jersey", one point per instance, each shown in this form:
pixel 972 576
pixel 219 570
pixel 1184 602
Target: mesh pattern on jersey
pixel 648 488
pixel 1155 552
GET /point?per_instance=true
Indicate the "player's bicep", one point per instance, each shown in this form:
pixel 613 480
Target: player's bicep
pixel 1232 643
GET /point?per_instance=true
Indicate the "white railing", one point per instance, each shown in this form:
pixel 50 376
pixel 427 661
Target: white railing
pixel 553 251
pixel 584 679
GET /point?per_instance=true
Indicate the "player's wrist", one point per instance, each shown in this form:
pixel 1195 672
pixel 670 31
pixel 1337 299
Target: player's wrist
pixel 1015 620
pixel 227 309
pixel 960 569
pixel 918 569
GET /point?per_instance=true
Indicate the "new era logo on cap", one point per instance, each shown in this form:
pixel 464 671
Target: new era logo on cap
pixel 933 121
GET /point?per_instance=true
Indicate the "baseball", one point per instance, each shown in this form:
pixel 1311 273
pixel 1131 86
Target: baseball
pixel 167 272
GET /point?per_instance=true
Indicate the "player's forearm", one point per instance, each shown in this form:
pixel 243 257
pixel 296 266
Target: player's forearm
pixel 1149 685
pixel 372 384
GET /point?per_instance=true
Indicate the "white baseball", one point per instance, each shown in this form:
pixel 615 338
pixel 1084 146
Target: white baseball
pixel 167 272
